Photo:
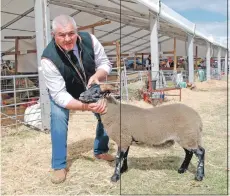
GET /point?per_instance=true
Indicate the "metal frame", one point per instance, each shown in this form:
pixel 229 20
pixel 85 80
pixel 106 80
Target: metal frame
pixel 190 58
pixel 15 90
pixel 43 36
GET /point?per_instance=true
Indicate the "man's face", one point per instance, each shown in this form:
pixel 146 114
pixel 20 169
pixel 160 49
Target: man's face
pixel 65 36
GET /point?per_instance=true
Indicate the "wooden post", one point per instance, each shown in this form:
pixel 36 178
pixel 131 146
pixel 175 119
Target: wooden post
pixel 16 56
pixel 142 59
pixel 196 58
pixel 174 52
pixel 92 30
pixel 134 63
pixel 118 55
pixel 93 25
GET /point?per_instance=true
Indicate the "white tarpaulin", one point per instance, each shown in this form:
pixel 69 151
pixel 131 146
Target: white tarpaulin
pixel 27 62
pixel 32 116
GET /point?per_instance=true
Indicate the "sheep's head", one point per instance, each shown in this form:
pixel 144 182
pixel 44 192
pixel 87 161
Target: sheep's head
pixel 96 92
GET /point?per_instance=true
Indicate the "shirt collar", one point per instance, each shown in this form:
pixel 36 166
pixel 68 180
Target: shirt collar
pixel 75 48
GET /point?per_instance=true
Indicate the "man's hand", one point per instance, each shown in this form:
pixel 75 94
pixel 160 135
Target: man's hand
pixel 100 75
pixel 93 80
pixel 99 107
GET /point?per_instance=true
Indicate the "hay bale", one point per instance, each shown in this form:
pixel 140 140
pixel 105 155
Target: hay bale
pixel 135 90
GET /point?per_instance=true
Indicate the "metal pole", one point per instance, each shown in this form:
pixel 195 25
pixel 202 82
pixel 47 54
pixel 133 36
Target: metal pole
pixel 190 59
pixel 208 61
pixel 15 101
pixel 126 83
pixel 43 37
pixel 154 45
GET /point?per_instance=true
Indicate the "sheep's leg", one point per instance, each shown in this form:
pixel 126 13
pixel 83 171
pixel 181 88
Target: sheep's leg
pixel 119 164
pixel 200 153
pixel 185 164
pixel 125 163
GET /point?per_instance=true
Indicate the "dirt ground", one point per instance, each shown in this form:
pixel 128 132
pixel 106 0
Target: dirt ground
pixel 26 156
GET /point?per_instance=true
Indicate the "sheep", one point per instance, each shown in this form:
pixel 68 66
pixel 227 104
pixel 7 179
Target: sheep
pixel 155 127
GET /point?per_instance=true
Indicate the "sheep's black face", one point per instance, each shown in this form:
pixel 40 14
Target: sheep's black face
pixel 92 95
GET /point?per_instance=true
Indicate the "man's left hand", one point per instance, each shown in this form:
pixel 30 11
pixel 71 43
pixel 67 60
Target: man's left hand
pixel 99 107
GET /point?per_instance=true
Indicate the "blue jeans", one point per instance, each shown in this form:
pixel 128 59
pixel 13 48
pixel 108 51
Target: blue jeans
pixel 59 129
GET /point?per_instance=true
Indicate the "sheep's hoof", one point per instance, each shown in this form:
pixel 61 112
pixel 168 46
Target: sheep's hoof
pixel 199 175
pixel 181 170
pixel 115 178
pixel 124 168
pixel 199 178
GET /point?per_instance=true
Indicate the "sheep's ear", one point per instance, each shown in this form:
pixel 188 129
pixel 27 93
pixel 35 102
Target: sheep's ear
pixel 106 88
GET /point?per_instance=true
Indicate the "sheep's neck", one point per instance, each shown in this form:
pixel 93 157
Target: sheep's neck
pixel 112 114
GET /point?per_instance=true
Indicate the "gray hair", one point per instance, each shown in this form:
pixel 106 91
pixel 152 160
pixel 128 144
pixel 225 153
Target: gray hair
pixel 62 20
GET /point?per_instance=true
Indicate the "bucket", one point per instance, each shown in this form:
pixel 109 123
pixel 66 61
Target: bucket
pixel 183 84
pixel 145 96
pixel 201 75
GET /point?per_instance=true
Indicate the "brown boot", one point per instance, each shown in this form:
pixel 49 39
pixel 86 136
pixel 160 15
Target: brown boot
pixel 106 157
pixel 58 176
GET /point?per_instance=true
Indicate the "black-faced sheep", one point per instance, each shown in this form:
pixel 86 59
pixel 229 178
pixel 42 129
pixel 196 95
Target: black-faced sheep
pixel 160 126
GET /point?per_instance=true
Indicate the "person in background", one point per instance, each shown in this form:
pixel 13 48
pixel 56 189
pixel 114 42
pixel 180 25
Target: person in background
pixel 148 63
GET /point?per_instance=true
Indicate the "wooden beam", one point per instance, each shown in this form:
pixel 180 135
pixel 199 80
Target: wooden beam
pixel 94 25
pixel 147 53
pixel 20 52
pixel 125 54
pixel 19 37
pixel 109 43
pixel 16 56
pixel 114 55
pixel 168 52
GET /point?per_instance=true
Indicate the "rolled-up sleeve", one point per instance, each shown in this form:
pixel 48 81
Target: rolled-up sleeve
pixel 55 83
pixel 101 59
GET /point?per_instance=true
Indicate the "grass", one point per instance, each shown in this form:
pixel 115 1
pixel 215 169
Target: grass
pixel 26 158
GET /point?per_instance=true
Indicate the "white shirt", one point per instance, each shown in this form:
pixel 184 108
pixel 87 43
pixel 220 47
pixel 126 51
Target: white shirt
pixel 56 83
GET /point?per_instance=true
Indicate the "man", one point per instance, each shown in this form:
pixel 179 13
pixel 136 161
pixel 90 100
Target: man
pixel 71 63
pixel 148 63
pixel 184 64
